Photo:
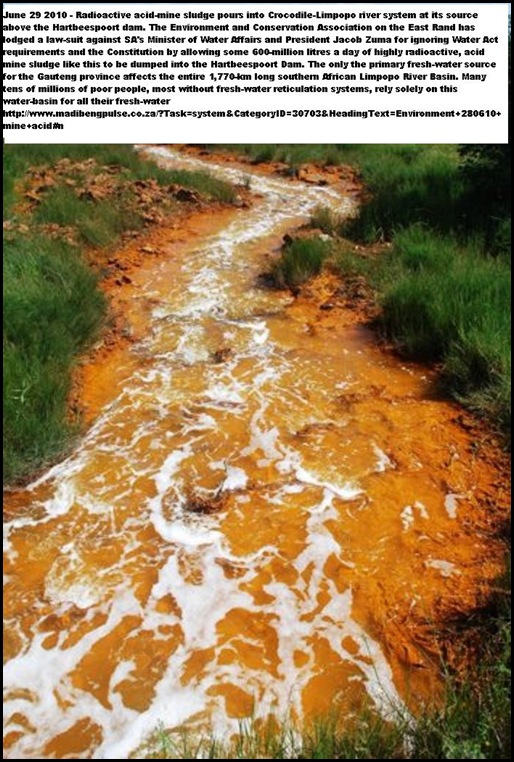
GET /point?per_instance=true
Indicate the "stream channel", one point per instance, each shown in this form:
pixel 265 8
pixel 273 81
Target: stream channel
pixel 270 514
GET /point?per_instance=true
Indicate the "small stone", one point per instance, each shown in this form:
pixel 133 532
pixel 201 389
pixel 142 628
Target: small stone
pixel 187 196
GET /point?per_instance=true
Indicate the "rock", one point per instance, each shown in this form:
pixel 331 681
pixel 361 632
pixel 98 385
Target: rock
pixel 222 354
pixel 152 218
pixel 312 175
pixel 33 196
pixel 185 195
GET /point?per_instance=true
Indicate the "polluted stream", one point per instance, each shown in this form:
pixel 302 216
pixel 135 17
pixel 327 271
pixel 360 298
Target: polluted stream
pixel 268 516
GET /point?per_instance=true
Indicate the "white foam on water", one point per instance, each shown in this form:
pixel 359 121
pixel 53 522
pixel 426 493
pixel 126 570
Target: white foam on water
pixel 451 504
pixel 221 393
pixel 181 534
pixel 191 348
pixel 384 462
pixel 164 476
pixel 260 333
pixel 193 561
pixel 421 509
pixel 236 479
pixel 40 681
pixel 408 515
pixel 346 491
pixel 446 568
pixel 263 440
pixel 81 594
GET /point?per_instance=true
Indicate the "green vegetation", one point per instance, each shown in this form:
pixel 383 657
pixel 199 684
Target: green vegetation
pixel 407 187
pixel 443 301
pixel 444 285
pixel 291 153
pixel 326 220
pixel 98 223
pixel 18 159
pixel 52 306
pixel 473 723
pixel 300 260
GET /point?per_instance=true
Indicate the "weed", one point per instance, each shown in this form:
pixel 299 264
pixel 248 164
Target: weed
pixel 325 219
pixel 299 261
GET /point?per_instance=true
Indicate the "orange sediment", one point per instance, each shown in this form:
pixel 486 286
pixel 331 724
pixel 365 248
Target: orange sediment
pixel 267 514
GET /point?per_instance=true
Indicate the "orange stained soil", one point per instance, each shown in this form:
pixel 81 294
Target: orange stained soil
pixel 267 514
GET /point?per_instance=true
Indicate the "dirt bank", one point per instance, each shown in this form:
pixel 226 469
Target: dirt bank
pixel 267 514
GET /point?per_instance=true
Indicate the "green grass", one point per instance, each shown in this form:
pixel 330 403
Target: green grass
pixel 445 287
pixel 18 158
pixel 443 301
pixel 326 220
pixel 294 154
pixel 99 223
pixel 408 187
pixel 299 261
pixel 52 307
pixel 370 738
pixel 472 723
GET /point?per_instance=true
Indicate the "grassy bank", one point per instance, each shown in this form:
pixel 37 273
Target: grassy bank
pixel 460 189
pixel 444 284
pixel 300 260
pixel 443 301
pixel 57 201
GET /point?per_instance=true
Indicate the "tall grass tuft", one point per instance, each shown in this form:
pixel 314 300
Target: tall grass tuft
pixel 299 261
pixel 325 219
pixel 449 303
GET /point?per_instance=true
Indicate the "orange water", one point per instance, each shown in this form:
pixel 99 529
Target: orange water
pixel 268 515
